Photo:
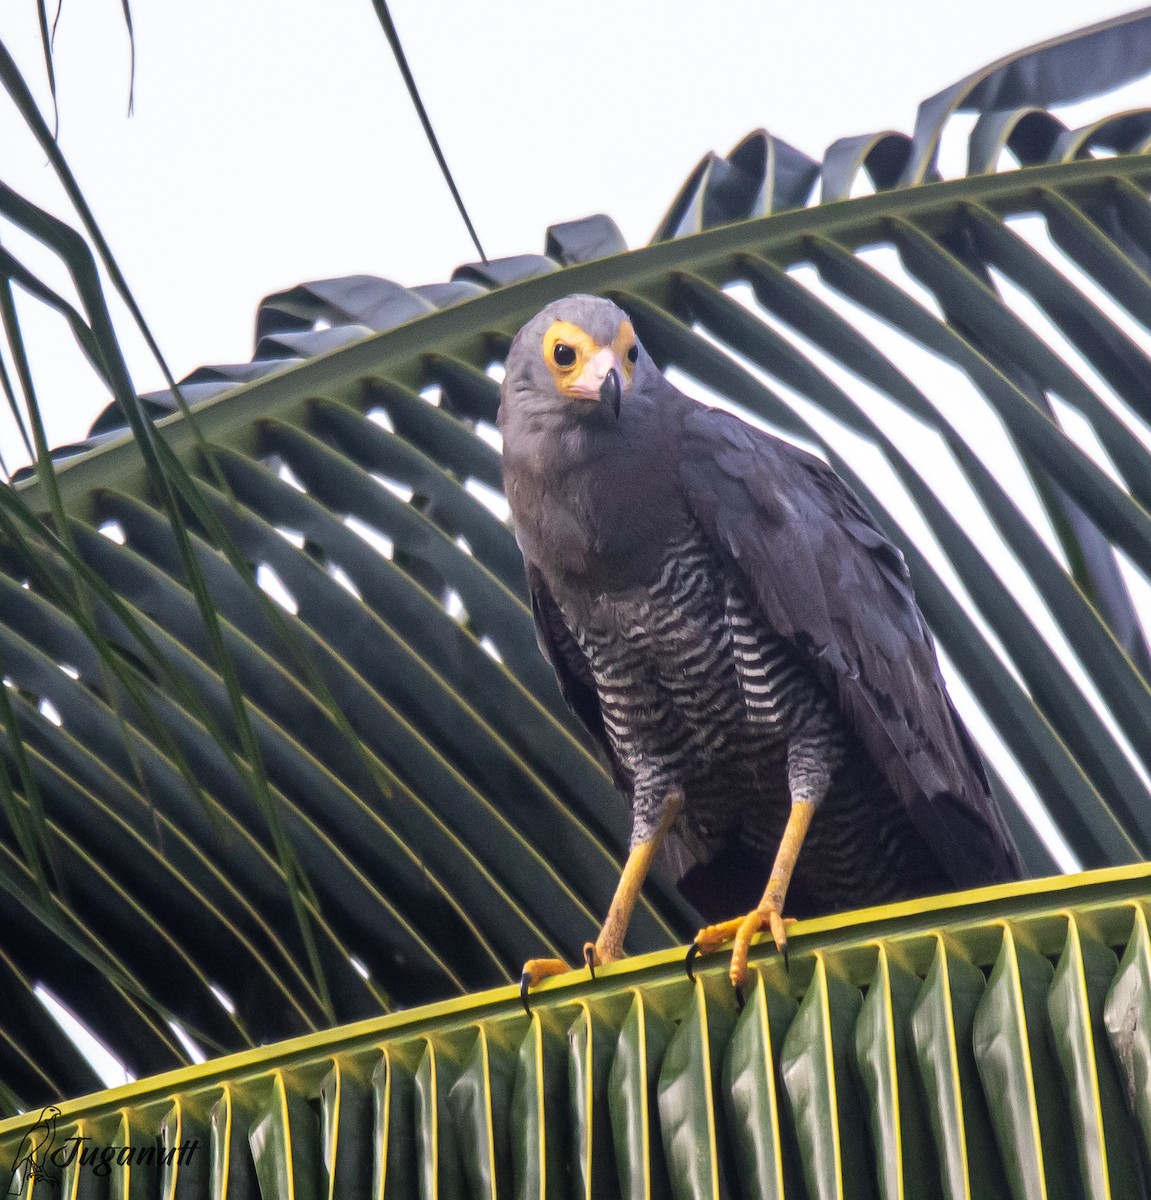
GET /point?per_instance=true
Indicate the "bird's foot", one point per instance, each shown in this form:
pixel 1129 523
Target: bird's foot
pixel 536 969
pixel 740 930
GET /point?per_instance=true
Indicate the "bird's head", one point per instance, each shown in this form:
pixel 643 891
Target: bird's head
pixel 579 358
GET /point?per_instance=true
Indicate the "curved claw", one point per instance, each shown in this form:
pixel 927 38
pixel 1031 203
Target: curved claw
pixel 693 952
pixel 740 999
pixel 589 957
pixel 535 970
pixel 778 926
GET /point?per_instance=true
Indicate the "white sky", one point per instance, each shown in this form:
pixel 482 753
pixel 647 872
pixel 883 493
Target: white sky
pixel 273 142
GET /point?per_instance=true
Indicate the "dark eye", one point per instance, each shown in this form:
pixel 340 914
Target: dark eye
pixel 633 354
pixel 563 354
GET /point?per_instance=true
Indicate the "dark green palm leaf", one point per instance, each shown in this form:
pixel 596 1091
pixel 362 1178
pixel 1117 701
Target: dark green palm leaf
pixel 980 1045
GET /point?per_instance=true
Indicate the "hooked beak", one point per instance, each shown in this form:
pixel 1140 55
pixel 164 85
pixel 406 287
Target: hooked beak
pixel 601 379
pixel 611 390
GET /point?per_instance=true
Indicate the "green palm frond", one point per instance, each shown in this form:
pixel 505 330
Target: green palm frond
pixel 980 1045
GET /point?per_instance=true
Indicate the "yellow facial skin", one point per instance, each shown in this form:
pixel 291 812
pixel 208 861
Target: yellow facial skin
pixel 583 362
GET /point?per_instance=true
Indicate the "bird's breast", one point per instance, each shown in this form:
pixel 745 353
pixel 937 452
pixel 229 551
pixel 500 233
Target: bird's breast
pixel 596 514
pixel 599 560
pixel 666 613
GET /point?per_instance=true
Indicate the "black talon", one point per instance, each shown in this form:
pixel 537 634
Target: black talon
pixel 786 959
pixel 525 983
pixel 740 1001
pixel 589 958
pixel 692 954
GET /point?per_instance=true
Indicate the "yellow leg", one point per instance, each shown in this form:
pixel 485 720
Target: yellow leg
pixel 769 913
pixel 608 947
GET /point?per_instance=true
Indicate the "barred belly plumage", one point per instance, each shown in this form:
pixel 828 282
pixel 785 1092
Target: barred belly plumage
pixel 696 692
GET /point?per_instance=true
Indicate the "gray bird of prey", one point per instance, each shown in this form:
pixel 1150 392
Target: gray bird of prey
pixel 740 640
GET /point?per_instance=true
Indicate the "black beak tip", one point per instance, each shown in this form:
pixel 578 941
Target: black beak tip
pixel 611 390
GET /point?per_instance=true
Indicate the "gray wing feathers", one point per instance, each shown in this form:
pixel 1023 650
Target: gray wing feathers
pixel 573 673
pixel 824 576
